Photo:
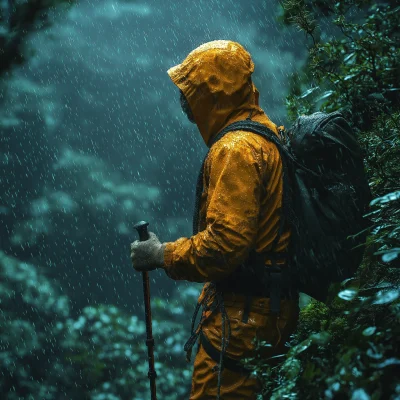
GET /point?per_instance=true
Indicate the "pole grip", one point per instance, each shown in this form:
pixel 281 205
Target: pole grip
pixel 141 228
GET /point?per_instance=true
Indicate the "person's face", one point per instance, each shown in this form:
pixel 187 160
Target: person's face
pixel 186 108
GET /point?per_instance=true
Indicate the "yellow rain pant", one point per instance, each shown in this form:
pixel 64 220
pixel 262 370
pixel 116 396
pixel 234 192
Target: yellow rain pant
pixel 261 325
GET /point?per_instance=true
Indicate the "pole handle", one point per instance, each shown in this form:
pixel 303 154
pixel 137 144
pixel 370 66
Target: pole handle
pixel 141 228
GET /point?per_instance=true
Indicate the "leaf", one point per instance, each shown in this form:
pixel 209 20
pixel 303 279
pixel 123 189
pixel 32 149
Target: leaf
pixel 376 96
pixel 349 56
pixel 320 338
pixel 384 297
pixel 325 95
pixel 348 294
pixel 360 394
pixel 380 285
pixel 304 345
pixel 391 254
pixel 308 92
pixel 374 354
pixel 292 368
pixel 369 331
pixel 346 78
pixel 388 362
pixel 386 198
pixel 346 281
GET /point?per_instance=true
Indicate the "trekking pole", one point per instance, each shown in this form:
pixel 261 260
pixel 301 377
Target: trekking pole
pixel 141 228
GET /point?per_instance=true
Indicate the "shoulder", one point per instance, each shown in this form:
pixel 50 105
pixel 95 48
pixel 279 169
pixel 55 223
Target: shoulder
pixel 243 142
pixel 243 150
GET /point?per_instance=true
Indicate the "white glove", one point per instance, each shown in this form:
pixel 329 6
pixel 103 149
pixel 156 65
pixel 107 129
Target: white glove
pixel 147 255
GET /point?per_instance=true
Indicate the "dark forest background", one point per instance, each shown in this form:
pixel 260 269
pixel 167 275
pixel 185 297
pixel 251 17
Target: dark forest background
pixel 93 140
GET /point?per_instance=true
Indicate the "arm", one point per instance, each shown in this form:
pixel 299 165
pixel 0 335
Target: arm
pixel 232 211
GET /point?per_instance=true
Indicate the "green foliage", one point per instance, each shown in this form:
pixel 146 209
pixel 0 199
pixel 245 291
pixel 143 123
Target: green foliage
pixel 353 63
pixel 387 227
pixel 106 350
pixel 382 159
pixel 46 353
pixel 17 20
pixel 313 319
pixel 382 152
pixel 356 352
pixel 349 348
pixel 31 307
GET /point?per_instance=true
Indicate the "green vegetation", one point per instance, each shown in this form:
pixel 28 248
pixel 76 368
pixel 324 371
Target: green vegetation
pixel 17 20
pixel 349 348
pixel 46 353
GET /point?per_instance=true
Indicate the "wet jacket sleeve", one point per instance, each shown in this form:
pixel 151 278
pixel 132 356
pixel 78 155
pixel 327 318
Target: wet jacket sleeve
pixel 232 212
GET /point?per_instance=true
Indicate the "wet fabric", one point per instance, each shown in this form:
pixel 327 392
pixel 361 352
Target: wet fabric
pixel 261 325
pixel 239 210
pixel 242 177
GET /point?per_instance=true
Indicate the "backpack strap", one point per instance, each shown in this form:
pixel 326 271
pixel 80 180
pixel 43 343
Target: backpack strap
pixel 274 277
pixel 215 354
pixel 270 276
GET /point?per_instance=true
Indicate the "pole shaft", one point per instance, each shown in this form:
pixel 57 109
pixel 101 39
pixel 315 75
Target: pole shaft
pixel 141 228
pixel 150 339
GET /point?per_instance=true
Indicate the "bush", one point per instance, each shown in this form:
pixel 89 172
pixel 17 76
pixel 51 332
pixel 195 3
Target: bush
pixel 45 353
pixel 349 348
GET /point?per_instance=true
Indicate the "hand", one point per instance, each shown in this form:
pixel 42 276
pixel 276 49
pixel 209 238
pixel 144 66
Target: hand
pixel 147 255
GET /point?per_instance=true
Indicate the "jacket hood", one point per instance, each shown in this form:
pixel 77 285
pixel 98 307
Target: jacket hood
pixel 215 79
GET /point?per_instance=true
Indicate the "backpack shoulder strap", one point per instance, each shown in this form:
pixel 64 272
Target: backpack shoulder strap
pixel 275 279
pixel 264 131
pixel 251 126
pixel 247 125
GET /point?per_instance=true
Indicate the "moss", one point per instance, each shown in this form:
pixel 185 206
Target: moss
pixel 313 318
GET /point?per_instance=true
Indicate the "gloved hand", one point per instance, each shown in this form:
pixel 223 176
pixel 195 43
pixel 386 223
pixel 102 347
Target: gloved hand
pixel 147 255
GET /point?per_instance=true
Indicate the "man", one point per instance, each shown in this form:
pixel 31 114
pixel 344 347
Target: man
pixel 239 213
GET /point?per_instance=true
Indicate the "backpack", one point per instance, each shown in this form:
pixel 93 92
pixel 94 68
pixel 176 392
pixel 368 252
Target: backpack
pixel 325 196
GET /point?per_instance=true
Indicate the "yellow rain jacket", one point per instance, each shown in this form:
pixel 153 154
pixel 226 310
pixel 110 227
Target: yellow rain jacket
pixel 239 210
